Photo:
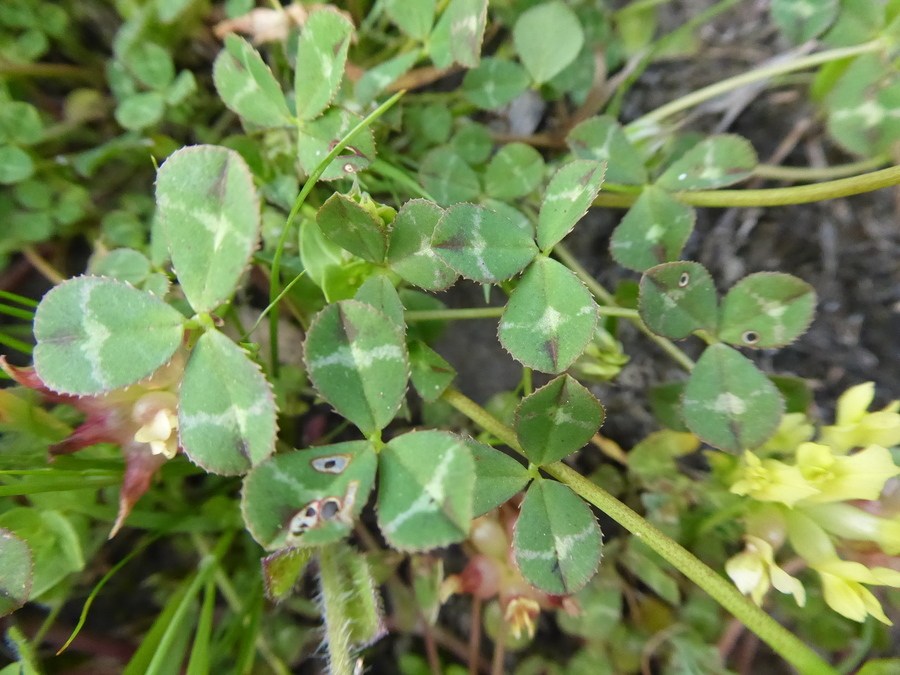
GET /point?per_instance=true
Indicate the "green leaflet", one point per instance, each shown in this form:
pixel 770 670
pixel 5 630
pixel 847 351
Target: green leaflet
pixel 414 17
pixel 569 195
pixel 447 177
pixel 282 569
pixel 648 566
pixel 377 291
pixel 603 140
pixel 862 106
pixel 226 409
pixel 315 140
pixel 678 298
pixel 458 34
pixel 321 55
pixel 729 403
pixel 495 83
pixel 556 420
pixel 515 171
pixel 482 245
pixel 308 497
pixel 210 215
pixel 95 334
pixel 550 318
pixel 141 110
pixel 547 37
pixel 767 309
pixel 16 570
pixel 353 227
pixel 247 86
pixel 714 162
pixel 556 543
pixel 654 231
pixel 122 264
pixel 357 361
pixel 473 142
pixel 429 372
pixel 498 477
pixel 426 481
pixel 15 164
pixel 409 251
pixel 350 598
pixel 802 20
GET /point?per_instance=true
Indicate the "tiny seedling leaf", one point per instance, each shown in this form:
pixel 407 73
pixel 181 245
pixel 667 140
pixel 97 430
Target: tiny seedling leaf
pixel 767 309
pixel 557 542
pixel 357 361
pixel 678 298
pixel 729 403
pixel 414 17
pixel 481 244
pixel 16 572
pixel 603 140
pixel 426 485
pixel 315 140
pixel 495 83
pixel 550 318
pixel 409 252
pixel 429 372
pixel 547 38
pixel 95 334
pixel 321 55
pixel 569 194
pixel 447 177
pixel 247 86
pixel 712 163
pixel 209 210
pixel 556 420
pixel 226 409
pixel 802 20
pixel 282 569
pixel 654 231
pixel 498 477
pixel 515 171
pixel 308 497
pixel 353 227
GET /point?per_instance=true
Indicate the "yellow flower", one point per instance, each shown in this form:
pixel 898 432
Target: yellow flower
pixel 838 478
pixel 843 581
pixel 850 522
pixel 155 412
pixel 754 571
pixel 855 427
pixel 768 480
pixel 794 429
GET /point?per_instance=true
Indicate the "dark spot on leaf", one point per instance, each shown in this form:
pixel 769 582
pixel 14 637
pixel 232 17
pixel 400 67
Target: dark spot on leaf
pixel 330 508
pixel 218 188
pixel 551 346
pixel 750 337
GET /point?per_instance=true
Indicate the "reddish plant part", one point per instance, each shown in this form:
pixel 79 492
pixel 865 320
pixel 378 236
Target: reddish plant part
pixel 142 419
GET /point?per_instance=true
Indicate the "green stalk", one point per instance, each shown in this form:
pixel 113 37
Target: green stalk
pixel 803 174
pixel 337 634
pixel 275 278
pixel 700 95
pixel 493 312
pixel 782 641
pixel 610 303
pixel 798 194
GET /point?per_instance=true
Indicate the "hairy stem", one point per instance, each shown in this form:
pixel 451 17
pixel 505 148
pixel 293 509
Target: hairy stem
pixel 803 174
pixel 337 634
pixel 770 631
pixel 799 194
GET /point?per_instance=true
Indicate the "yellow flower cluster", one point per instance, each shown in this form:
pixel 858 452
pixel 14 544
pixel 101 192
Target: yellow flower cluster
pixel 806 492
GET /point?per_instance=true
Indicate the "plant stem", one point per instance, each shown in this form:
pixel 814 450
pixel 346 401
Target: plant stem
pixel 337 635
pixel 42 265
pixel 764 73
pixel 809 174
pixel 770 631
pixel 609 300
pixel 799 194
pixel 453 314
pixel 275 277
